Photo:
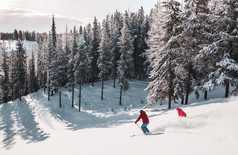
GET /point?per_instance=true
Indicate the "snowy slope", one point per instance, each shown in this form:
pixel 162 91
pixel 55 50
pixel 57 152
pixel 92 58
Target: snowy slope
pixel 28 45
pixel 37 126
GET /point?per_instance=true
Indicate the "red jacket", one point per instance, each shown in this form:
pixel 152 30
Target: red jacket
pixel 181 112
pixel 144 118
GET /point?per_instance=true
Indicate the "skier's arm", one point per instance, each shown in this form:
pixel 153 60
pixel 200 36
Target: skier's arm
pixel 138 119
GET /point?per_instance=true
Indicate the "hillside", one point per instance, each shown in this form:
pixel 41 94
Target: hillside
pixel 37 126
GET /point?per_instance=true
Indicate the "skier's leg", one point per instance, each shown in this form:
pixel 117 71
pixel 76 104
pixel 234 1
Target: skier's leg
pixel 143 128
pixel 146 129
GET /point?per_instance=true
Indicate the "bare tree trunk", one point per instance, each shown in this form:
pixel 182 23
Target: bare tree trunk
pixel 114 81
pixel 60 97
pixel 92 82
pixel 44 88
pixel 20 92
pixel 182 99
pixel 169 104
pixel 48 85
pixel 102 88
pixel 72 95
pixel 187 94
pixel 227 85
pixel 12 93
pixel 80 89
pixel 44 82
pixel 120 95
pixel 205 95
pixel 48 92
pixel 170 91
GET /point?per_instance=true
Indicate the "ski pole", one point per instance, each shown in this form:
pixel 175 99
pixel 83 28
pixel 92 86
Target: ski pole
pixel 139 127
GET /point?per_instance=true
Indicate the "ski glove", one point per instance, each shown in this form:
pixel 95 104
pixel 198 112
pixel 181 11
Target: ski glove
pixel 135 122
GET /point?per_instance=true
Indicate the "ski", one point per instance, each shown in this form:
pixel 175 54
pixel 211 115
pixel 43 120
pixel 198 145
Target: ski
pixel 150 134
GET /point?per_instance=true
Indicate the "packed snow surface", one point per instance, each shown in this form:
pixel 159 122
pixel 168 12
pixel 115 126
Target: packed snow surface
pixel 36 126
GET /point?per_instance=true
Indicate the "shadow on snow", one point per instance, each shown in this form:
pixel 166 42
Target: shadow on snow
pixel 17 120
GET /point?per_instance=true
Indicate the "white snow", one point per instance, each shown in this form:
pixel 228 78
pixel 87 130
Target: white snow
pixel 28 45
pixel 36 126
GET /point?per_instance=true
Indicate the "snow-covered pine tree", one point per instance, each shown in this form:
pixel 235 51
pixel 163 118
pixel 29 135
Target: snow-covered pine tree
pixel 125 64
pixel 106 26
pixel 146 63
pixel 154 33
pixel 94 51
pixel 223 49
pixel 193 28
pixel 80 30
pixel 88 37
pixel 1 80
pixel 115 34
pixel 20 69
pixel 41 66
pixel 26 88
pixel 15 35
pixel 12 72
pixel 167 58
pixel 80 68
pixel 139 32
pixel 104 60
pixel 5 69
pixel 70 66
pixel 54 62
pixel 45 61
pixel 67 42
pixel 48 58
pixel 32 77
pixel 63 61
pixel 202 63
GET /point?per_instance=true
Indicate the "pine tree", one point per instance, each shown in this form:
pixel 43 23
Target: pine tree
pixel 80 68
pixel 115 48
pixel 222 50
pixel 70 67
pixel 125 64
pixel 43 62
pixel 94 51
pixel 63 61
pixel 164 72
pixel 5 78
pixel 155 18
pixel 32 78
pixel 54 62
pixel 104 63
pixel 12 72
pixel 20 72
pixel 1 80
pixel 194 27
pixel 139 31
pixel 48 60
pixel 15 35
pixel 41 76
pixel 88 37
pixel 20 35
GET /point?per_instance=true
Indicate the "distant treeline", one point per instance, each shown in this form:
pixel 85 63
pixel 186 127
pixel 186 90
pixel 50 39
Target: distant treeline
pixel 23 35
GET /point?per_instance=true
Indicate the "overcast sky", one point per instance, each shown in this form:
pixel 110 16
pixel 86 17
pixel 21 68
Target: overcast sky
pixel 36 14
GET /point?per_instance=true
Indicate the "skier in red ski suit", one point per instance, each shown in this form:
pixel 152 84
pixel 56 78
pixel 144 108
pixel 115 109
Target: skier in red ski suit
pixel 145 121
pixel 181 113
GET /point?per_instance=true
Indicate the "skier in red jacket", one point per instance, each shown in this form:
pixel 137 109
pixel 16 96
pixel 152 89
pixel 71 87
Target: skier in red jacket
pixel 181 113
pixel 145 121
